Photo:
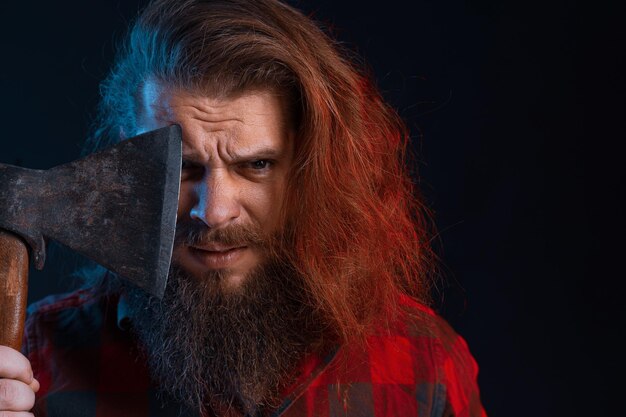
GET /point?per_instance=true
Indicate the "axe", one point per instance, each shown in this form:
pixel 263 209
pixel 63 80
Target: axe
pixel 117 207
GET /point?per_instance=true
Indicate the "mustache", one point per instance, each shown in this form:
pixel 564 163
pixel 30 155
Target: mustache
pixel 193 233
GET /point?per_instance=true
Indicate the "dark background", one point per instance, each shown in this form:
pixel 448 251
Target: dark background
pixel 517 111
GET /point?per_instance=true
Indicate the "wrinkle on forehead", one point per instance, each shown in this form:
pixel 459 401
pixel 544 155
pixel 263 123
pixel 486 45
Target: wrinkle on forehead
pixel 160 102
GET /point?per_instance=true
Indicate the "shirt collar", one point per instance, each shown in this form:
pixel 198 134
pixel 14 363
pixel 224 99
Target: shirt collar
pixel 123 312
pixel 311 367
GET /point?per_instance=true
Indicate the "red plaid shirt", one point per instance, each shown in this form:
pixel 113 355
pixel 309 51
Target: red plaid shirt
pixel 88 365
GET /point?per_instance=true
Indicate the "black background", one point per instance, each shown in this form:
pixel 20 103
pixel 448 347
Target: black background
pixel 517 111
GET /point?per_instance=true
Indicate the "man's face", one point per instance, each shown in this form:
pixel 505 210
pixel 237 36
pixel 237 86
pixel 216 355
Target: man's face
pixel 236 155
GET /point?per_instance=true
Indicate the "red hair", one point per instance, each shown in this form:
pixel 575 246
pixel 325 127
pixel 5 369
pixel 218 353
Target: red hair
pixel 361 232
pixel 357 228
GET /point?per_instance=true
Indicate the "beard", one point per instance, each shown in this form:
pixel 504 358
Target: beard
pixel 212 349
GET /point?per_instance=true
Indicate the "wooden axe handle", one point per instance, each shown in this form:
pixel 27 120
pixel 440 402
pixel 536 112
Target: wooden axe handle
pixel 13 289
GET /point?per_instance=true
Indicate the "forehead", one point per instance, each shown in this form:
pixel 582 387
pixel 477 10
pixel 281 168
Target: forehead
pixel 258 108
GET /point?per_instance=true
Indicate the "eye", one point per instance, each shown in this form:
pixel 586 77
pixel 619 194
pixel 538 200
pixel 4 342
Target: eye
pixel 190 169
pixel 260 164
pixel 257 168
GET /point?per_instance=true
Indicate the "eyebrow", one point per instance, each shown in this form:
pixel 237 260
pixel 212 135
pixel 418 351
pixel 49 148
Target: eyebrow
pixel 260 153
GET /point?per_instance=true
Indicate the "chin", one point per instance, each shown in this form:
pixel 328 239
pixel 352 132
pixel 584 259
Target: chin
pixel 233 282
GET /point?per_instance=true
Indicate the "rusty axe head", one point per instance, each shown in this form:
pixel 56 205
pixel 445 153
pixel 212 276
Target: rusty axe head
pixel 116 207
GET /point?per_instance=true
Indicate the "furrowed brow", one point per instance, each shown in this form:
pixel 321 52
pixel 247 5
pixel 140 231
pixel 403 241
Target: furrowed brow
pixel 260 153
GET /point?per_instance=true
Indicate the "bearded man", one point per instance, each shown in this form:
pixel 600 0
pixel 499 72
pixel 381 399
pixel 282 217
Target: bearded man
pixel 301 266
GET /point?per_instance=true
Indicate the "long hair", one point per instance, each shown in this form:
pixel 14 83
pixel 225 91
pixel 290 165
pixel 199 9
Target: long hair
pixel 358 230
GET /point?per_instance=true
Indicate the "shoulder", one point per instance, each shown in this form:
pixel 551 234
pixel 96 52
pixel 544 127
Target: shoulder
pixel 61 313
pixel 421 323
pixel 418 348
pixel 420 326
pixel 439 354
pixel 412 364
pixel 76 311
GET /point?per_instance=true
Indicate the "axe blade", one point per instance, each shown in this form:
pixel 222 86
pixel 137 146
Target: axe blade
pixel 117 207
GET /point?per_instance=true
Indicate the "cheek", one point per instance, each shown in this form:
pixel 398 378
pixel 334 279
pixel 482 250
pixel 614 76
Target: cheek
pixel 263 203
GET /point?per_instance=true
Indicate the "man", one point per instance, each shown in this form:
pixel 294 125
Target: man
pixel 301 265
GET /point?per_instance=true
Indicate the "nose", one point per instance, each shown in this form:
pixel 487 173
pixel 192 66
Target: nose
pixel 216 202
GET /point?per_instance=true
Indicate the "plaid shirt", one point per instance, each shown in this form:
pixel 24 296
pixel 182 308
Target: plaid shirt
pixel 88 365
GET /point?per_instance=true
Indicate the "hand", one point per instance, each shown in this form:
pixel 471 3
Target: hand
pixel 17 384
